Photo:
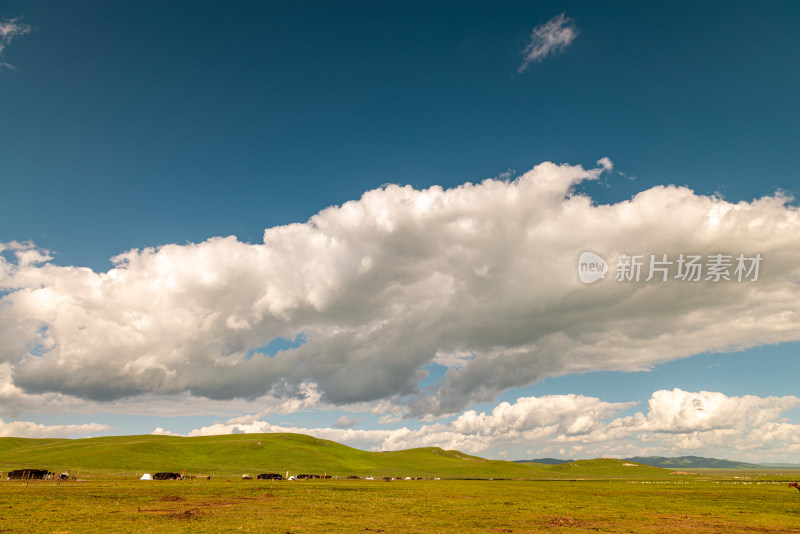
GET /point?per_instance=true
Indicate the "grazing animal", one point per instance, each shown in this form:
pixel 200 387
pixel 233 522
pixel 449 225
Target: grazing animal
pixel 269 476
pixel 794 485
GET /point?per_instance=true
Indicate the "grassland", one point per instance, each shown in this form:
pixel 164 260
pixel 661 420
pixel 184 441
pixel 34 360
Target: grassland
pixel 601 495
pixel 426 506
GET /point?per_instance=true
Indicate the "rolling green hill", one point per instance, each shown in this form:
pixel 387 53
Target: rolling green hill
pixel 246 453
pixel 234 454
pixel 7 444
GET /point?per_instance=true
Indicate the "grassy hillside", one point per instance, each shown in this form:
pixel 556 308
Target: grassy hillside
pixel 7 444
pixel 278 453
pixel 241 453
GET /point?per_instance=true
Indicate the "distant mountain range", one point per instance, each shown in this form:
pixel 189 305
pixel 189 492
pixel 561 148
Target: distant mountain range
pixel 681 462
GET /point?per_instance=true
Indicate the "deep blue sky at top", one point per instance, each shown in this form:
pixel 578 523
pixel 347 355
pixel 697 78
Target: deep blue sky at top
pixel 133 124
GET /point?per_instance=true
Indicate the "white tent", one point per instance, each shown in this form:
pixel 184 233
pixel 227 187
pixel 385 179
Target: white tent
pixel 146 476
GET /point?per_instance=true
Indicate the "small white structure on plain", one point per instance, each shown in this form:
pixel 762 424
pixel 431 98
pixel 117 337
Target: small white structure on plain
pixel 146 476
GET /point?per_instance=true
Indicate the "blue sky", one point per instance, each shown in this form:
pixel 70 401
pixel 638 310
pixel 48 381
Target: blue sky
pixel 170 124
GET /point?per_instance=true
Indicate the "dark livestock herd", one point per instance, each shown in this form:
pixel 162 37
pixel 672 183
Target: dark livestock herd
pixel 167 476
pixel 44 474
pixel 30 474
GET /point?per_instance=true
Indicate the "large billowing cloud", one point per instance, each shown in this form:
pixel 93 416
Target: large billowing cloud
pixel 480 278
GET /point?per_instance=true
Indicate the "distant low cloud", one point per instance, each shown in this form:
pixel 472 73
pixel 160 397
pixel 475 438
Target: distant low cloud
pixel 159 431
pixel 26 429
pixel 528 419
pixel 479 280
pixel 9 29
pixel 547 39
pixel 705 423
pixel 675 423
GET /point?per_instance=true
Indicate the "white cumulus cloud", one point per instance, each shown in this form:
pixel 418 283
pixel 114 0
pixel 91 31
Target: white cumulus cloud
pixel 707 423
pixel 480 279
pixel 680 411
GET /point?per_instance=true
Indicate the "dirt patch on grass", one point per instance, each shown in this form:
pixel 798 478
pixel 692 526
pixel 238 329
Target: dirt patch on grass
pixel 222 504
pixel 187 514
pixel 682 473
pixel 564 522
pixel 234 501
pixel 199 508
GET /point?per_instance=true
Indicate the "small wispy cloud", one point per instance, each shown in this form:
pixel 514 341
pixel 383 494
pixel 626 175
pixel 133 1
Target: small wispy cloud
pixel 10 28
pixel 549 38
pixel 346 421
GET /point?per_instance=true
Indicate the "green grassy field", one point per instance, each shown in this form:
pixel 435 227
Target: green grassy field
pixel 426 506
pixel 601 495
